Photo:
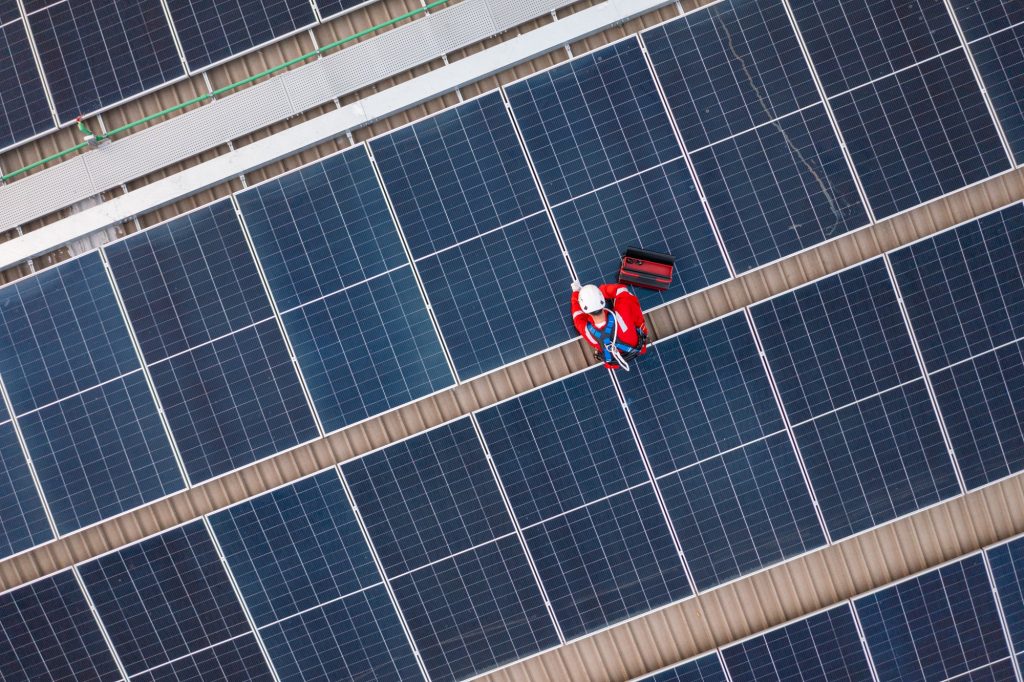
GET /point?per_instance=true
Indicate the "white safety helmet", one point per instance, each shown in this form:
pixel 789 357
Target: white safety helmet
pixel 591 299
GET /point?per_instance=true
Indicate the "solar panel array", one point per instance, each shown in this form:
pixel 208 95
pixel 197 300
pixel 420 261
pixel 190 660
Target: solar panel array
pixel 962 621
pixel 432 255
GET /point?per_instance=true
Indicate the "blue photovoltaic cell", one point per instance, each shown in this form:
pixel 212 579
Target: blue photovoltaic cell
pixel 188 281
pixel 49 633
pixel 164 597
pixel 61 332
pixel 730 67
pixel 358 637
pixel 982 405
pixel 101 453
pixel 838 340
pixel 213 30
pixel 706 669
pixel 741 511
pixel 233 401
pixel 331 7
pixel 1007 562
pixel 964 288
pixel 368 349
pixel 97 52
pixel 23 522
pixel 475 611
pixel 1000 61
pixel 477 292
pixel 877 459
pixel 823 648
pixel 981 17
pixel 9 12
pixel 934 627
pixel 555 452
pixel 593 120
pixel 235 660
pixel 779 188
pixel 658 210
pixel 428 497
pixel 701 393
pixel 919 134
pixel 607 561
pixel 321 228
pixel 857 41
pixel 295 548
pixel 456 175
pixel 997 672
pixel 24 111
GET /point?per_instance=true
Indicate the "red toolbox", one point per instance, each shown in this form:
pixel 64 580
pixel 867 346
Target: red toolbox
pixel 647 269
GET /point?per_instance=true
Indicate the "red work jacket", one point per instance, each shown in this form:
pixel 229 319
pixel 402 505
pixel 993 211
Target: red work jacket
pixel 628 316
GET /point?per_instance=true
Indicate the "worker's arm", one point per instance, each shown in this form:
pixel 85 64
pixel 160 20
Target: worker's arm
pixel 627 304
pixel 580 320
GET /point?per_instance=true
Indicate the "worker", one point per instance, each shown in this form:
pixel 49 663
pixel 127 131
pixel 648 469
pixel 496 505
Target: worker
pixel 609 318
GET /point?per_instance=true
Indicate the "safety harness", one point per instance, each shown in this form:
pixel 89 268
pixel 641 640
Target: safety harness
pixel 613 351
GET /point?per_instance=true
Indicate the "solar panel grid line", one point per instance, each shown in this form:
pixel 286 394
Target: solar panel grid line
pixel 924 373
pixel 277 316
pixel 863 641
pixel 988 34
pixel 519 529
pixel 828 111
pixel 241 599
pixel 176 38
pixel 981 84
pixel 185 657
pixel 99 622
pixel 666 518
pixel 999 57
pixel 39 68
pixel 1002 613
pixel 146 373
pixel 27 113
pixel 408 254
pixel 384 576
pixel 790 433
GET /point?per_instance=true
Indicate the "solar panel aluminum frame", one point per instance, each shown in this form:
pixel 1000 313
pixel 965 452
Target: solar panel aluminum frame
pixel 42 79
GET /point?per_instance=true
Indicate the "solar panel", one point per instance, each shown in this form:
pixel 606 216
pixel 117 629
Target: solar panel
pixel 607 561
pixel 982 17
pixel 295 548
pixel 855 42
pixel 329 8
pixel 836 341
pixel 706 669
pixel 428 497
pixel 101 452
pixel 555 450
pixel 456 175
pixel 188 281
pixel 23 522
pixel 213 30
pixel 1000 61
pixel 96 53
pixel 658 210
pixel 475 611
pixel 61 333
pixel 963 288
pixel 979 402
pixel 477 292
pixel 701 393
pixel 779 188
pixel 741 511
pixel 729 68
pixel 321 228
pixel 876 460
pixel 368 348
pixel 824 647
pixel 235 659
pixel 358 637
pixel 164 598
pixel 593 120
pixel 1007 563
pixel 50 634
pixel 919 134
pixel 936 626
pixel 24 110
pixel 233 401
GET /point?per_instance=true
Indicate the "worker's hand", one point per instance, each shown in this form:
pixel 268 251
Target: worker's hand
pixel 575 285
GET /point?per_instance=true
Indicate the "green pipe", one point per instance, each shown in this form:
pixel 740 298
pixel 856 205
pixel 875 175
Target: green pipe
pixel 227 88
